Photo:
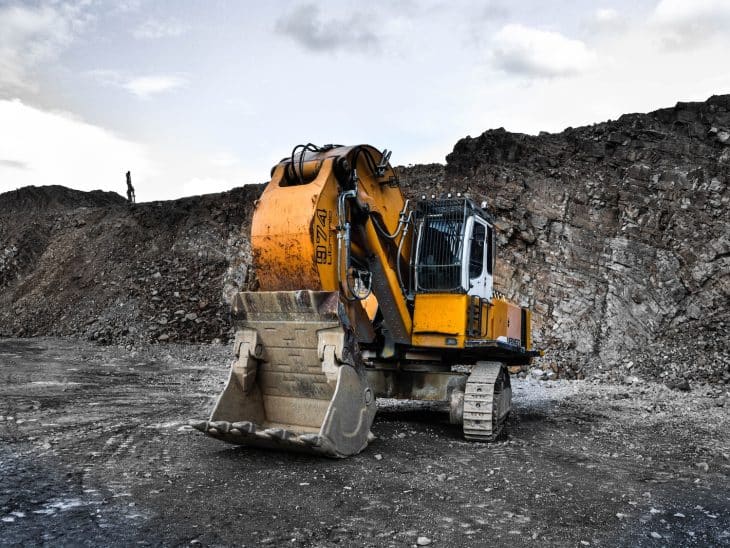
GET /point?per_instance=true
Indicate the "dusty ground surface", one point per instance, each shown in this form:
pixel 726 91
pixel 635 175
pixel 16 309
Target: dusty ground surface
pixel 94 451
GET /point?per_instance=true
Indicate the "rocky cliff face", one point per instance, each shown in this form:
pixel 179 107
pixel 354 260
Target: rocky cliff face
pixel 616 234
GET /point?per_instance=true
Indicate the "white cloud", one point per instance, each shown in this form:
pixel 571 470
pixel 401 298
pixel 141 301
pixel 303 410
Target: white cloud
pixel 606 15
pixel 141 86
pixel 684 23
pixel 145 86
pixel 632 75
pixel 57 148
pixel 305 24
pixel 606 20
pixel 538 53
pixel 31 36
pixel 153 29
pixel 51 148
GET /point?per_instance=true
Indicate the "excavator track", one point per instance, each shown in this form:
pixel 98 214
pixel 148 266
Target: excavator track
pixel 296 382
pixel 487 401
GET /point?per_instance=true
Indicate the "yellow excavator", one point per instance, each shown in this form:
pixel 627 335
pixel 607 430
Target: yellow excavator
pixel 363 294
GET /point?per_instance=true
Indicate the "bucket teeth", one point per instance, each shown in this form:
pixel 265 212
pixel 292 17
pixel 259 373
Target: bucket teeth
pixel 280 434
pixel 199 425
pixel 313 440
pixel 219 427
pixel 244 427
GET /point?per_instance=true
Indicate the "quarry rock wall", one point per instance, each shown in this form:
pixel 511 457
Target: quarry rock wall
pixel 617 235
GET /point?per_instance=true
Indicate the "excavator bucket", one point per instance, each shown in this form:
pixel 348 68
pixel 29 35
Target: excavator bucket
pixel 296 382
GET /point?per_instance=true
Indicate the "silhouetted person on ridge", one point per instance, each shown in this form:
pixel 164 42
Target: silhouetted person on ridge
pixel 130 189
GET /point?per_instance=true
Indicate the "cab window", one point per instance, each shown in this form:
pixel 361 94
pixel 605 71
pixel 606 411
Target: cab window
pixel 490 249
pixel 476 251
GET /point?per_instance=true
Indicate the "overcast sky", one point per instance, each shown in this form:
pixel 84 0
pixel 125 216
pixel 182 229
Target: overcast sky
pixel 201 96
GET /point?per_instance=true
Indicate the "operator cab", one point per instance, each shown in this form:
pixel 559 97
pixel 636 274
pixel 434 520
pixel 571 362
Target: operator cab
pixel 455 248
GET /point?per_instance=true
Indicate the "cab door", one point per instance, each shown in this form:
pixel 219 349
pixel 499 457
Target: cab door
pixel 478 260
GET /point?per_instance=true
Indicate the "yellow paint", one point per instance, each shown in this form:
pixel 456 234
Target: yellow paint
pixel 437 316
pixel 423 340
pixel 504 320
pixel 292 234
pixel 293 230
pixel 440 316
pixel 484 328
pixel 294 227
pixel 371 306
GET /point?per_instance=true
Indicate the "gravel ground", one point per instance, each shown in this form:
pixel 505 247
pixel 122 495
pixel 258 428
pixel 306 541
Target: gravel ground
pixel 94 451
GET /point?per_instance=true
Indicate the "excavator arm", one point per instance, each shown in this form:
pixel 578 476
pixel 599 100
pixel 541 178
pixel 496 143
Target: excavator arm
pixel 298 381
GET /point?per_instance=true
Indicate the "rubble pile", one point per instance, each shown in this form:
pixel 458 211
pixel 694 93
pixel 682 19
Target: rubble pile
pixel 90 265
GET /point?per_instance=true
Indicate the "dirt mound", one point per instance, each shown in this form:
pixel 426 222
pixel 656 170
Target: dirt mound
pixel 55 197
pixel 117 273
